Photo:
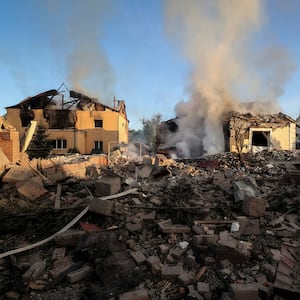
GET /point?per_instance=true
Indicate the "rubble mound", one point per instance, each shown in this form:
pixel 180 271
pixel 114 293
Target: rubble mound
pixel 224 226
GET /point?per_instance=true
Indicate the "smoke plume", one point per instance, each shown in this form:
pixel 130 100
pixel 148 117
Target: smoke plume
pixel 217 39
pixel 88 68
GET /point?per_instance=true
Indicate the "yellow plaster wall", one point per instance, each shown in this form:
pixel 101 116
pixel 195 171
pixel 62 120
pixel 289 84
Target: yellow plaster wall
pixel 115 128
pixel 123 129
pixel 13 117
pixel 99 134
pixel 293 136
pixel 280 138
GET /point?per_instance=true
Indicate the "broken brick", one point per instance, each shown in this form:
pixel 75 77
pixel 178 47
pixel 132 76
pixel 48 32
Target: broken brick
pixel 141 294
pixel 248 226
pixel 171 272
pixel 138 256
pixel 205 239
pixel 186 278
pixel 204 290
pixel 134 227
pixel 108 185
pixel 102 207
pixel 35 271
pixel 244 291
pixel 163 249
pixel 177 252
pixel 167 227
pixel 69 238
pixel 189 261
pixel 254 207
pixel 79 274
pixel 32 189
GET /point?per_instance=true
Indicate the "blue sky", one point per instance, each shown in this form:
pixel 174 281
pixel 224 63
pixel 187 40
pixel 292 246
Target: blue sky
pixel 122 48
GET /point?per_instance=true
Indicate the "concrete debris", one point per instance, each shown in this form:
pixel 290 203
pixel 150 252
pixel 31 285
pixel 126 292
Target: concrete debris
pixel 218 227
pixel 242 189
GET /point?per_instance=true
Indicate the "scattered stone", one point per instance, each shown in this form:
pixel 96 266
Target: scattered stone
pixel 244 188
pixel 102 207
pixel 167 227
pixel 69 238
pixel 108 185
pixel 139 257
pixel 35 271
pixel 204 290
pixel 79 274
pixel 240 291
pixel 171 272
pixel 186 278
pixel 141 294
pixel 254 207
pixel 32 189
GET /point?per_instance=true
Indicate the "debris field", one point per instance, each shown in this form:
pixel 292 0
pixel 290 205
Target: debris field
pixel 223 226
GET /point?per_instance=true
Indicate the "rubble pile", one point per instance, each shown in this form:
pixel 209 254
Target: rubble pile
pixel 221 227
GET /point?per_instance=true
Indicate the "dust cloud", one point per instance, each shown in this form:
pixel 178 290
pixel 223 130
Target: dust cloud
pixel 228 68
pixel 89 70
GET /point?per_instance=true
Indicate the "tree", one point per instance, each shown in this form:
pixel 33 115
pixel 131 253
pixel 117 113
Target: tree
pixel 147 134
pixel 39 146
pixel 149 129
pixel 238 129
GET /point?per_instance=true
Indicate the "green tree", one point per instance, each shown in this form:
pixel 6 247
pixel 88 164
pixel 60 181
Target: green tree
pixel 147 134
pixel 149 129
pixel 39 146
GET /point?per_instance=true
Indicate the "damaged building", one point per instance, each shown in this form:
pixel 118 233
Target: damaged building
pixel 242 133
pixel 9 142
pixel 253 133
pixel 79 122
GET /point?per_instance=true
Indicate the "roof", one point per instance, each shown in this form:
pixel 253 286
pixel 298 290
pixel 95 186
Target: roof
pixel 262 118
pixel 40 100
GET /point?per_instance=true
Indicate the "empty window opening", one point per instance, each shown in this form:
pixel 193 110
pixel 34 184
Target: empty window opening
pixel 99 123
pixel 59 144
pixel 99 145
pixel 260 138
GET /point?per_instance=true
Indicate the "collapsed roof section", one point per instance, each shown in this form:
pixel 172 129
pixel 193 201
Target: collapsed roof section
pixel 239 123
pixel 55 99
pixel 41 100
pixel 265 120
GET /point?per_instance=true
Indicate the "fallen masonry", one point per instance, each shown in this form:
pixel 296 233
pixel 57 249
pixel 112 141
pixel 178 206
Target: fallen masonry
pixel 91 227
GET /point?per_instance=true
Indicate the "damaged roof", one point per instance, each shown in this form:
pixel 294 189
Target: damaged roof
pixel 40 100
pixel 261 118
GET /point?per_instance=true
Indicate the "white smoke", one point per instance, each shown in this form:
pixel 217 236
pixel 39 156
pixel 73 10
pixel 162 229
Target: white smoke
pixel 89 70
pixel 215 36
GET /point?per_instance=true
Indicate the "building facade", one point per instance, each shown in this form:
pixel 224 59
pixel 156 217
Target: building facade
pixel 254 133
pixel 78 124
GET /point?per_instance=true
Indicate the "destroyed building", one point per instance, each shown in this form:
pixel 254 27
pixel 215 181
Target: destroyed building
pixel 242 133
pixel 80 122
pixel 253 133
pixel 9 142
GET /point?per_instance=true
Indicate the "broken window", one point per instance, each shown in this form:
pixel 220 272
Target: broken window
pixel 59 144
pixel 99 145
pixel 26 116
pixel 98 123
pixel 260 138
pixel 60 119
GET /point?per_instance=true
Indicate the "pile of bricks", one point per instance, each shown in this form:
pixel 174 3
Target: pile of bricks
pixel 204 229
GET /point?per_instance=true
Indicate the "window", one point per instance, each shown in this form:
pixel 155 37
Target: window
pixel 99 123
pixel 59 144
pixel 260 138
pixel 98 145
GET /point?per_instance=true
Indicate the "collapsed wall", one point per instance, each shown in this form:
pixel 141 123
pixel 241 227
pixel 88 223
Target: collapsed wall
pixel 9 141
